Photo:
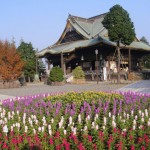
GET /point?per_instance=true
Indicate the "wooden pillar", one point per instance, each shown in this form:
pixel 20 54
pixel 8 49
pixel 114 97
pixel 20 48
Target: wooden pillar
pixel 129 62
pixel 48 63
pixel 109 78
pixel 64 69
pixel 118 65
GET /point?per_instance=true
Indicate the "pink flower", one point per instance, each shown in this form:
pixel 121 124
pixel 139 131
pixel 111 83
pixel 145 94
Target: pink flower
pixel 81 147
pixel 5 146
pixel 101 135
pixel 143 148
pixel 51 141
pixel 132 147
pixel 89 138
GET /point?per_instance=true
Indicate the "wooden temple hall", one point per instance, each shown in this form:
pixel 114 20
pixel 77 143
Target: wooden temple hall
pixel 85 42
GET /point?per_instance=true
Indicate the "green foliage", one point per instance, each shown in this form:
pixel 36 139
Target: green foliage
pixel 119 25
pixel 56 75
pixel 144 40
pixel 28 55
pixel 78 73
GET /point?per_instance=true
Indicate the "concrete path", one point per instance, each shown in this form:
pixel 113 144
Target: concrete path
pixel 40 88
pixel 140 87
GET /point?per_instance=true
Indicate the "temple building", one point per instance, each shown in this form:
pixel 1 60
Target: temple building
pixel 85 42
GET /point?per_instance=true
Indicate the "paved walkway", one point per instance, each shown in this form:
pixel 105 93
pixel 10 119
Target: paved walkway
pixel 140 86
pixel 40 88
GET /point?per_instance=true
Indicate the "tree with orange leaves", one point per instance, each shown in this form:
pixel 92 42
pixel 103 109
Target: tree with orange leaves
pixel 11 65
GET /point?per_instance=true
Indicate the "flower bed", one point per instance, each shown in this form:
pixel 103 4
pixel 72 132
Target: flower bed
pixel 87 120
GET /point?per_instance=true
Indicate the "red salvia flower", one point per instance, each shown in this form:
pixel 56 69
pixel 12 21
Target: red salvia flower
pixel 132 147
pixel 51 141
pixel 101 135
pixel 143 148
pixel 89 138
pixel 5 146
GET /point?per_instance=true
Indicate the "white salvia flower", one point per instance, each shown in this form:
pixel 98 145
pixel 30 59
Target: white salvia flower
pixel 5 129
pixel 128 116
pixel 85 128
pixel 114 124
pixel 74 131
pixel 134 127
pixel 79 118
pixel 13 113
pixel 124 120
pixel 65 132
pixel 50 132
pixel 146 114
pixel 124 130
pixel 136 117
pixel 49 126
pixel 96 127
pixel 26 128
pixel 105 120
pixel 134 122
pixel 70 120
pixel 142 119
pixel 109 114
pixel 34 131
pixel 132 112
pixel 124 114
pixel 11 128
pixel 60 124
pixel 42 129
pixel 39 129
pixel 113 117
pixel 140 127
pixel 146 110
pixel 52 120
pixel 103 127
pixel 24 122
pixel 140 112
pixel 96 116
pixel 120 117
pixel 36 122
pixel 93 124
pixel 17 112
pixel 148 123
pixel 5 119
pixel 34 117
pixel 19 125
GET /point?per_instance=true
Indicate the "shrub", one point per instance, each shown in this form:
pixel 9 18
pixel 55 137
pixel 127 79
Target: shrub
pixel 78 73
pixel 56 75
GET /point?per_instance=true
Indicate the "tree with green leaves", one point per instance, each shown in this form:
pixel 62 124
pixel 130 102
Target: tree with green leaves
pixel 144 40
pixel 120 29
pixel 27 53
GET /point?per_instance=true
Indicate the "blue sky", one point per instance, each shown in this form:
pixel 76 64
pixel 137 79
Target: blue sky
pixel 41 22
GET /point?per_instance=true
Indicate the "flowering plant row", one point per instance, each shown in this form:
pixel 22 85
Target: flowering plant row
pixel 122 122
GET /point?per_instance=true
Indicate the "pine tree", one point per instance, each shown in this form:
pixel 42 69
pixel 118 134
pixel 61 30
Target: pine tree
pixel 120 29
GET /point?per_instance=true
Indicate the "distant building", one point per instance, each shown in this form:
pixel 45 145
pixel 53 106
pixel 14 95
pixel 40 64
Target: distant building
pixel 77 45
